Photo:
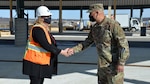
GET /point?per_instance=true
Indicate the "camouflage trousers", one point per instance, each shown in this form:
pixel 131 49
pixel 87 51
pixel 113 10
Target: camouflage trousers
pixel 107 76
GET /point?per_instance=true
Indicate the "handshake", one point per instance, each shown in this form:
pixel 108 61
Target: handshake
pixel 67 52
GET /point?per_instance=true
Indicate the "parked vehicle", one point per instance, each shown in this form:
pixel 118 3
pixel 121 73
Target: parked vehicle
pixel 68 26
pixel 127 23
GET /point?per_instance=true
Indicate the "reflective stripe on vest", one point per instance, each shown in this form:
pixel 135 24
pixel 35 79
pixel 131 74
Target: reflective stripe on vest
pixel 36 48
pixel 34 52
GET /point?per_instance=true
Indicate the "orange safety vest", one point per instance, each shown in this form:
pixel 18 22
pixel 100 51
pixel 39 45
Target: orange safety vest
pixel 34 52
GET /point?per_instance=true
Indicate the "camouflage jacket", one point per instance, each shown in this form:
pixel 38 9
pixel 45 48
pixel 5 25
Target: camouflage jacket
pixel 110 41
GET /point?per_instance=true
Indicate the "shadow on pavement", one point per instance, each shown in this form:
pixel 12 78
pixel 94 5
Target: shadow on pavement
pixel 14 69
pixel 138 55
pixel 80 63
pixel 133 81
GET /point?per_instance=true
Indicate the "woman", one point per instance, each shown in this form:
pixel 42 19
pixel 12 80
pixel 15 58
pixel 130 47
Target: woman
pixel 40 60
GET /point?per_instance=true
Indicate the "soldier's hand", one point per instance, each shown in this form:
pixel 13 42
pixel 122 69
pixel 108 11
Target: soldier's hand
pixel 120 68
pixel 70 51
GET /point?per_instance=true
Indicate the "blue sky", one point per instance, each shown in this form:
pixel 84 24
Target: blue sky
pixel 75 14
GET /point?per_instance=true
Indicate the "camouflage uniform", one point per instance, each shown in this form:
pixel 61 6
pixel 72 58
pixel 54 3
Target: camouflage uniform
pixel 112 48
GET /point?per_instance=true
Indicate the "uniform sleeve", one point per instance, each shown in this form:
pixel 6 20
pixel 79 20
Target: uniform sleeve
pixel 83 45
pixel 122 44
pixel 40 37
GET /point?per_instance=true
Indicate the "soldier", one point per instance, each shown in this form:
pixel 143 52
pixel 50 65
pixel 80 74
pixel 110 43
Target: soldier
pixel 111 43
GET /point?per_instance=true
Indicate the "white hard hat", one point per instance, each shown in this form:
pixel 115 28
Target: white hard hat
pixel 43 11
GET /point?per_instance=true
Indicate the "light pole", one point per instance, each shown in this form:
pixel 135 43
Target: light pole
pixel 11 20
pixel 60 17
pixel 109 8
pixel 20 8
pixel 114 9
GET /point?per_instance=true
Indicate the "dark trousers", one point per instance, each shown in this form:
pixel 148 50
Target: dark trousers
pixel 36 80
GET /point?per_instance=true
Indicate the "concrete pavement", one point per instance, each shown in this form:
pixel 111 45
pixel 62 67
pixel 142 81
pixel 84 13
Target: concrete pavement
pixel 80 68
pixel 77 69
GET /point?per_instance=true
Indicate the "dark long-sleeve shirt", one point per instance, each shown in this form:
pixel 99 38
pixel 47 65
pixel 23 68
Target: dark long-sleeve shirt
pixel 40 37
